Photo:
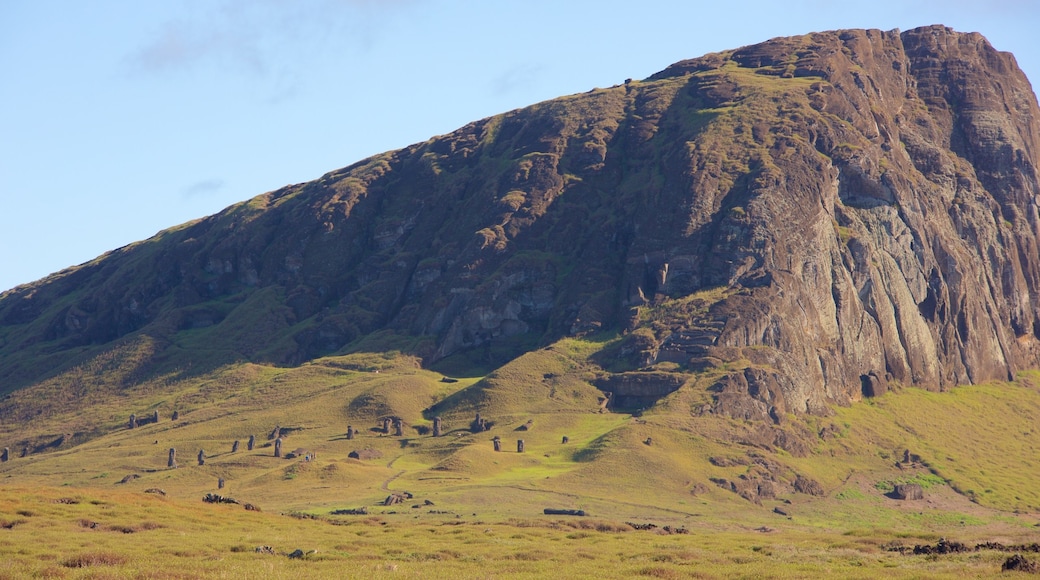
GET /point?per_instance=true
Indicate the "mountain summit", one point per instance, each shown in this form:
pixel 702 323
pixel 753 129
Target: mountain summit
pixel 807 219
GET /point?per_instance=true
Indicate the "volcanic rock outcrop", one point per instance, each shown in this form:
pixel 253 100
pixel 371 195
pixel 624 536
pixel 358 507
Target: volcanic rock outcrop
pixel 809 219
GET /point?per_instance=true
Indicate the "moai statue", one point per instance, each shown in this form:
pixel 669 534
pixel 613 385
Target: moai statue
pixel 155 416
pixel 234 446
pixel 25 452
pixel 436 426
pixel 133 421
pixel 278 447
pixel 251 443
pixel 176 415
pixel 350 432
pixel 497 443
pixel 566 440
pixel 172 461
pixel 519 445
pixel 398 427
pixel 202 457
pixel 220 483
pixel 478 424
pixel 5 455
pixel 386 425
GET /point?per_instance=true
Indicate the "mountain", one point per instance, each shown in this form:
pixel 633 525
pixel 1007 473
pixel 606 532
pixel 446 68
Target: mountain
pixel 793 225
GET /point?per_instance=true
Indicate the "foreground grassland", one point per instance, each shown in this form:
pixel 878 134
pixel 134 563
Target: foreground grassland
pixel 81 533
pixel 83 502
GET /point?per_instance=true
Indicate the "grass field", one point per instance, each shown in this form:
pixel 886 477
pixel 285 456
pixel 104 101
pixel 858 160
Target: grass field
pixel 82 503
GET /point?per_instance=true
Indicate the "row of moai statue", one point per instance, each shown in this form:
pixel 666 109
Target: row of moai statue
pixel 397 425
pixel 135 422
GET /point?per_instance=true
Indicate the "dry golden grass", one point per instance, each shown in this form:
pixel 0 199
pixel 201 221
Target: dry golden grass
pixel 477 512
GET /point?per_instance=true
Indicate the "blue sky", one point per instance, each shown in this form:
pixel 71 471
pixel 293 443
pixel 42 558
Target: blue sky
pixel 122 118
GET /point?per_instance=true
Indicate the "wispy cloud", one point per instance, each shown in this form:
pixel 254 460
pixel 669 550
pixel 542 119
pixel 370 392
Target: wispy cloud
pixel 258 36
pixel 203 188
pixel 515 78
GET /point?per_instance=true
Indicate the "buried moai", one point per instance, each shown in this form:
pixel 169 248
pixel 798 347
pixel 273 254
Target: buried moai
pixel 172 461
pixel 497 442
pixel 436 426
pixel 519 445
pixel 386 425
pixel 5 455
pixel 398 427
pixel 566 440
pixel 176 415
pixel 155 416
pixel 275 434
pixel 133 421
pixel 220 483
pixel 251 443
pixel 234 446
pixel 479 424
pixel 278 447
pixel 350 432
pixel 202 457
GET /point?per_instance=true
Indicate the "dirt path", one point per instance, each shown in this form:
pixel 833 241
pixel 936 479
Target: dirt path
pixel 390 465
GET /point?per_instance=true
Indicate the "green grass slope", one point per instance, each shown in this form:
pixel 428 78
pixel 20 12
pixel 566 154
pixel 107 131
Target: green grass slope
pixel 474 509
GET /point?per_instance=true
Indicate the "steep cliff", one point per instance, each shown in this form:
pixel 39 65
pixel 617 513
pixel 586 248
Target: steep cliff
pixel 806 220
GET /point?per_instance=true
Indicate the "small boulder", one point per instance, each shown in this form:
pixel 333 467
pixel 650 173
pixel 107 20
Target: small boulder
pixel 908 491
pixel 1019 563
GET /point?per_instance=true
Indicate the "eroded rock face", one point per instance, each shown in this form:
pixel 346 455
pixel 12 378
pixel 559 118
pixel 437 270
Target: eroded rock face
pixel 811 218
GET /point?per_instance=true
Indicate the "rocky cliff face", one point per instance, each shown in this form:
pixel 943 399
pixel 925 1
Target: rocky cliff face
pixel 807 219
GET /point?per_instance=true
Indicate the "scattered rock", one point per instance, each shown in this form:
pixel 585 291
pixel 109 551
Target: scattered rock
pixel 397 497
pixel 214 498
pixel 873 385
pixel 251 507
pixel 908 491
pixel 1019 563
pixel 942 547
pixel 808 486
pixel 365 454
pixel 361 511
pixel 296 554
pixel 264 550
pixel 560 512
pixel 155 490
pixel 129 478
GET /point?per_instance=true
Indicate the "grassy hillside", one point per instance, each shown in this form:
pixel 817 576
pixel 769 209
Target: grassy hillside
pixel 474 509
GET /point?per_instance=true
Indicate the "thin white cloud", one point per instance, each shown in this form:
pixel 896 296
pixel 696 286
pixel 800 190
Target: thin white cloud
pixel 203 188
pixel 515 78
pixel 244 34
